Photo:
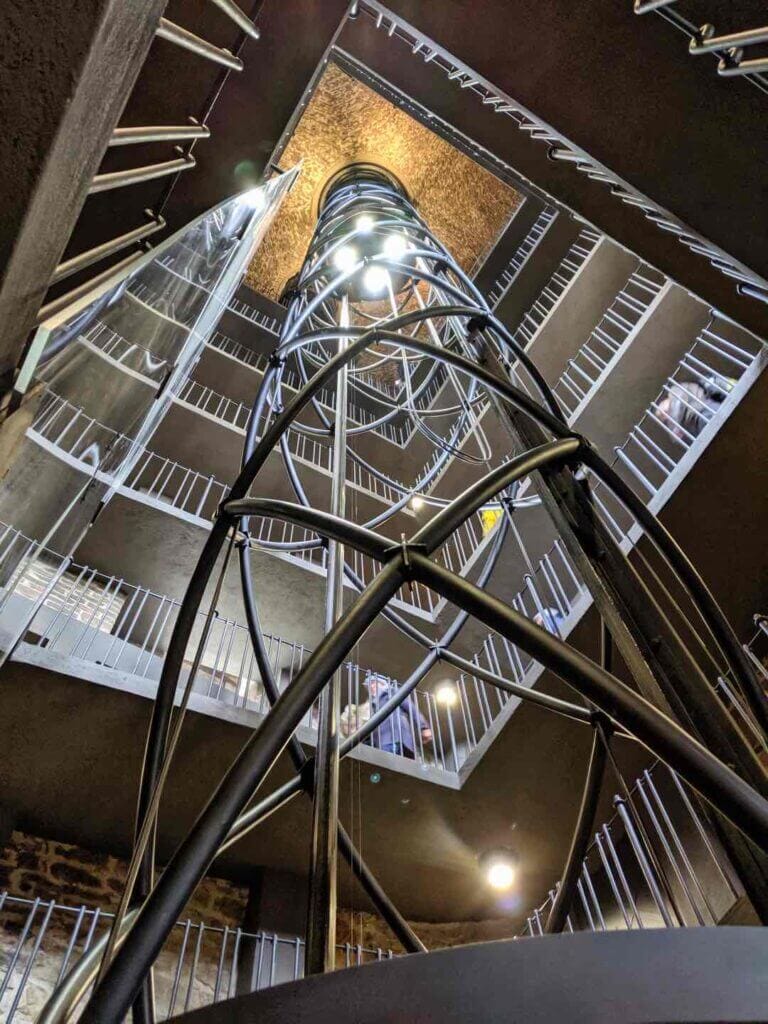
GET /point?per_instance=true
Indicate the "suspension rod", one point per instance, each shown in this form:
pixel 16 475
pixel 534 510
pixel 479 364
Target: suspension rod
pixel 135 175
pixel 179 36
pixel 158 133
pixel 234 13
pixel 99 252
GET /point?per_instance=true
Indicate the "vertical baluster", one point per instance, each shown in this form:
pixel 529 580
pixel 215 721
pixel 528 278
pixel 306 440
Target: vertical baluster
pixel 71 944
pixel 193 968
pixel 14 957
pixel 668 850
pixel 635 915
pixel 30 962
pixel 643 861
pixel 220 965
pixel 233 969
pixel 179 967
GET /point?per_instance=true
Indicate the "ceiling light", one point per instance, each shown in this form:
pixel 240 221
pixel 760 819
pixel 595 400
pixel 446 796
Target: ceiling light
pixel 446 695
pixel 375 280
pixel 500 876
pixel 364 223
pixel 345 258
pixel 499 868
pixel 417 502
pixel 395 246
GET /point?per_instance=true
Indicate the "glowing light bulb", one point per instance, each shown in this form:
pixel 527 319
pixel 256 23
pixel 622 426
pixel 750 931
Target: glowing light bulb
pixel 499 868
pixel 417 502
pixel 446 695
pixel 375 280
pixel 500 875
pixel 395 246
pixel 364 223
pixel 345 258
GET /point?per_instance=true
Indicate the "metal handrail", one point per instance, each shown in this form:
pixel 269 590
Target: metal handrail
pixel 105 620
pixel 135 175
pixel 187 40
pixel 503 282
pixel 158 133
pixel 99 252
pixel 653 864
pixel 608 337
pixel 728 48
pixel 202 963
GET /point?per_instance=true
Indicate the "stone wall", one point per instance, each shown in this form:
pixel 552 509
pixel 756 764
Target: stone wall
pixel 42 869
pixel 32 868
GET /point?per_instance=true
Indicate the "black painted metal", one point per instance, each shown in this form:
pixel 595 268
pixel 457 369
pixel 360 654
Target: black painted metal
pixel 474 342
pixel 581 837
pixel 695 975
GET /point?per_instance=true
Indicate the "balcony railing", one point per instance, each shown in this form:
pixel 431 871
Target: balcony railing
pixel 125 353
pixel 548 596
pixel 302 446
pixel 104 620
pixel 72 431
pixel 503 282
pixel 656 863
pixel 88 442
pixel 608 337
pixel 200 964
pixel 562 277
pixel 243 309
pixel 83 438
pixel 696 395
pixel 357 414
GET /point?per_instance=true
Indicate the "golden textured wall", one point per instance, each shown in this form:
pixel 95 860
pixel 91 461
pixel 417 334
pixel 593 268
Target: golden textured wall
pixel 346 122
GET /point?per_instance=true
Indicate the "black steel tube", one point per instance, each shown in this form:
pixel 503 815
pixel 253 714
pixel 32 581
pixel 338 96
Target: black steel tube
pixel 225 820
pixel 695 586
pixel 581 837
pixel 389 912
pixel 543 700
pixel 717 783
pixel 110 1001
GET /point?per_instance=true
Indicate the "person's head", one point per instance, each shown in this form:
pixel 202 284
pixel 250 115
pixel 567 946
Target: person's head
pixel 377 685
pixel 717 388
pixel 549 619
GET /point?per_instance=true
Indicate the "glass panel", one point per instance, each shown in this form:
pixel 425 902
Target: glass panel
pixel 101 373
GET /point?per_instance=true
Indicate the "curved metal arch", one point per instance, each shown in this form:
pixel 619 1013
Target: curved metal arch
pixel 717 783
pixel 224 815
pixel 662 540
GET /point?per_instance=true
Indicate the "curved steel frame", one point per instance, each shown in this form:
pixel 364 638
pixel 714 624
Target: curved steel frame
pixel 450 330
